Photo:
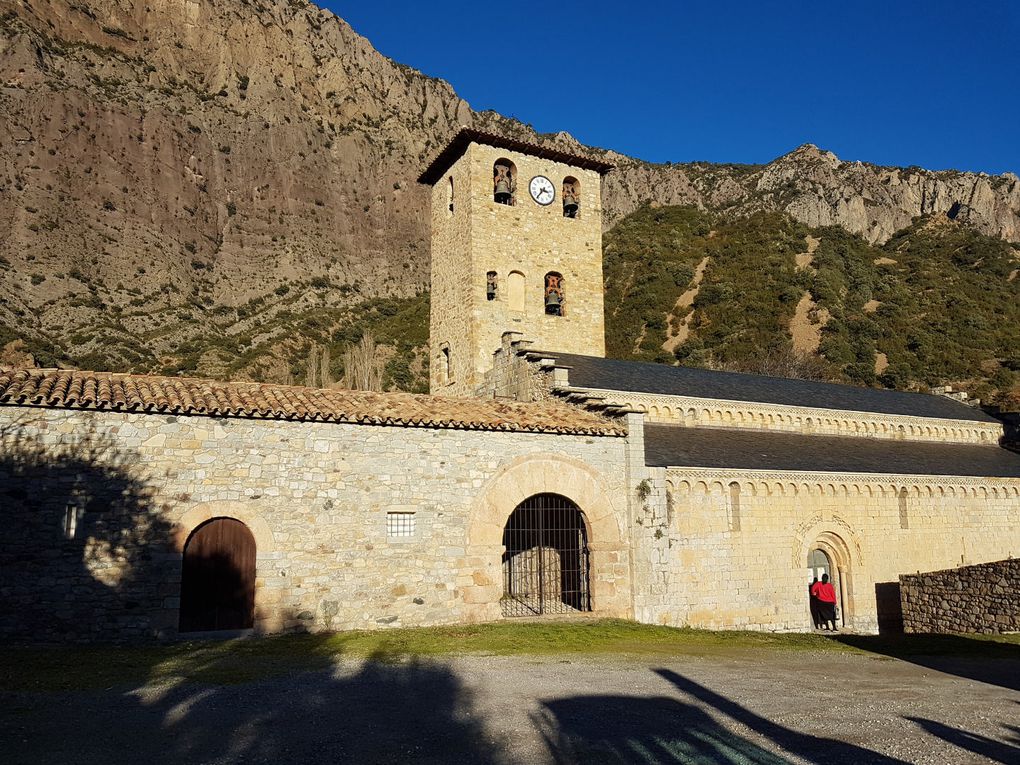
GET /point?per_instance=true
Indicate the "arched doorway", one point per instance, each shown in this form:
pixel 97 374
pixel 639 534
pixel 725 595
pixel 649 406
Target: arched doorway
pixel 218 577
pixel 545 559
pixel 828 555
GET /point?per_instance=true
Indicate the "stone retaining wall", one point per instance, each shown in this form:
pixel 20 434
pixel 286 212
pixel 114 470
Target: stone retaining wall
pixel 981 598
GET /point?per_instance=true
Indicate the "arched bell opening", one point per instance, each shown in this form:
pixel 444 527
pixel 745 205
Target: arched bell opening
pixel 555 296
pixel 546 561
pixel 571 196
pixel 218 577
pixel 504 181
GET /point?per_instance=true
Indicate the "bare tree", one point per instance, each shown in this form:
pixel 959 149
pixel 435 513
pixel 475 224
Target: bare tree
pixel 362 370
pixel 784 362
pixel 317 374
pixel 312 366
pixel 325 378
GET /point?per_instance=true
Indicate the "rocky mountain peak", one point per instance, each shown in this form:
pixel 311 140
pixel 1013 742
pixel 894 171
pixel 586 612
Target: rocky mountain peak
pixel 199 185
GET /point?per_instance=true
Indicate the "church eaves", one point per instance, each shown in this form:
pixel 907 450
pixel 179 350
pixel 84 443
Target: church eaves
pixel 149 394
pixel 459 143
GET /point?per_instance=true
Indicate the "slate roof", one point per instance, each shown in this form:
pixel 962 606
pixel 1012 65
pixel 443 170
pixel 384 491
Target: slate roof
pixel 677 446
pixel 459 143
pixel 108 391
pixel 635 376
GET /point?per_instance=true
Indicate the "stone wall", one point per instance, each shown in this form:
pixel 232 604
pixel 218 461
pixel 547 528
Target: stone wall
pixel 728 549
pixel 314 495
pixel 981 598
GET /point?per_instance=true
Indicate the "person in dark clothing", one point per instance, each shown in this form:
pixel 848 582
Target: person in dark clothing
pixel 826 595
pixel 816 613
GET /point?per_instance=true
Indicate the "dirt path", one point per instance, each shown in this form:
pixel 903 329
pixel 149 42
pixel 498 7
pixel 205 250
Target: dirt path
pixel 881 363
pixel 763 707
pixel 806 259
pixel 684 302
pixel 807 334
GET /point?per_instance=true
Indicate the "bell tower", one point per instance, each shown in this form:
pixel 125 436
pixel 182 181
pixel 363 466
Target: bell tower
pixel 516 241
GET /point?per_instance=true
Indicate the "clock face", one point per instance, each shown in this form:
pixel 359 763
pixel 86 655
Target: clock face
pixel 542 190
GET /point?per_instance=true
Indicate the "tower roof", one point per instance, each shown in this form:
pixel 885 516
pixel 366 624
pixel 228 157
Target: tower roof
pixel 457 146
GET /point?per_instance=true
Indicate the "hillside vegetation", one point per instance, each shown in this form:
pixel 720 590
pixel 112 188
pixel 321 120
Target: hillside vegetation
pixel 937 303
pixel 228 189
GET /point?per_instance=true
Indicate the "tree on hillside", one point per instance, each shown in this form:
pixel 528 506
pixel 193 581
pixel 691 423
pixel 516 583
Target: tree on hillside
pixel 362 369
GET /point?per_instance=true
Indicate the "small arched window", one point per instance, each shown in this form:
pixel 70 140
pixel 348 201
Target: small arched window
pixel 554 295
pixel 491 285
pixel 571 196
pixel 449 194
pixel 445 369
pixel 504 181
pixel 515 291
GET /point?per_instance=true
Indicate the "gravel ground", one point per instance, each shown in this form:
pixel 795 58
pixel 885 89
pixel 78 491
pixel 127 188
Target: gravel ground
pixel 764 707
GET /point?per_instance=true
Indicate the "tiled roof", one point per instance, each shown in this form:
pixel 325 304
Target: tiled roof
pixel 678 446
pixel 108 391
pixel 661 379
pixel 459 143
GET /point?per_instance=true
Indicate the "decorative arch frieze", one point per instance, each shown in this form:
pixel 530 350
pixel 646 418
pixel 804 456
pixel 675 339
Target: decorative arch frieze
pixel 703 412
pixel 827 484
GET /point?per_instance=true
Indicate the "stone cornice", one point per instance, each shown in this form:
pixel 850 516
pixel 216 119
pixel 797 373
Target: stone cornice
pixel 705 412
pixel 832 483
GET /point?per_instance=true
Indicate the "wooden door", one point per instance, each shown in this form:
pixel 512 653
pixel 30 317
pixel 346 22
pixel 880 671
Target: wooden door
pixel 218 577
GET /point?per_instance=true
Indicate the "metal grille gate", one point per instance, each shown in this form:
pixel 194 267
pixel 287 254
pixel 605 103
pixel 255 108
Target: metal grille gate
pixel 545 566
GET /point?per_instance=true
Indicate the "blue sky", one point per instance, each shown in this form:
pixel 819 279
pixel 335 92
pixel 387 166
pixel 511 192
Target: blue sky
pixel 935 83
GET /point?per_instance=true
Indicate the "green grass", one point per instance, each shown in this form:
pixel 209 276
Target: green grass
pixel 53 668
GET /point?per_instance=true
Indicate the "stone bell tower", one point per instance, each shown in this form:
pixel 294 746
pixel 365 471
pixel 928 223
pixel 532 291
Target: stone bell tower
pixel 516 247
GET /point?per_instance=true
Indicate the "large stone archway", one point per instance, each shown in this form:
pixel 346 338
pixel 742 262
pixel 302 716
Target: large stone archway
pixel 482 581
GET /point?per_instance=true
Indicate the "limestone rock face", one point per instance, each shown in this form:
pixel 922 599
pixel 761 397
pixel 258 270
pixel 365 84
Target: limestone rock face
pixel 167 161
pixel 818 189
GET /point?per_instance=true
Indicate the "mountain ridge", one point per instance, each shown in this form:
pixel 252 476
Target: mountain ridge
pixel 213 187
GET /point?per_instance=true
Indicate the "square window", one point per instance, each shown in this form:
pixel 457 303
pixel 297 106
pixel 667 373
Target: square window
pixel 400 524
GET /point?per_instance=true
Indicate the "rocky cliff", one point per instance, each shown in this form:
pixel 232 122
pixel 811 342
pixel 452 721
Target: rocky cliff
pixel 210 185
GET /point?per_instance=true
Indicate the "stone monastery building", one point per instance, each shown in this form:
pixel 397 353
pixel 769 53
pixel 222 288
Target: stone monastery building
pixel 538 478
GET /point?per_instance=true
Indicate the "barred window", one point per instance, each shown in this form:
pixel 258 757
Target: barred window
pixel 400 524
pixel 72 514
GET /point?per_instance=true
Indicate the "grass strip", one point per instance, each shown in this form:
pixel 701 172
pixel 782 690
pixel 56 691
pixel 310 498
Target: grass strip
pixel 55 668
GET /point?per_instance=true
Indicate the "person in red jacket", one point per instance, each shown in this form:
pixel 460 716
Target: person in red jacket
pixel 826 596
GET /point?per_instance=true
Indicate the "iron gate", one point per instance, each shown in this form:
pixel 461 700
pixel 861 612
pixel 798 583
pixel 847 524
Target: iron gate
pixel 545 566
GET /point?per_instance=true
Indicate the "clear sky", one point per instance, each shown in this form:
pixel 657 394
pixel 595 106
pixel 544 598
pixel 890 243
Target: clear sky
pixel 899 82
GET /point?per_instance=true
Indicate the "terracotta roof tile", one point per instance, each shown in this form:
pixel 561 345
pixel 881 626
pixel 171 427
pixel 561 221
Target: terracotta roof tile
pixel 67 389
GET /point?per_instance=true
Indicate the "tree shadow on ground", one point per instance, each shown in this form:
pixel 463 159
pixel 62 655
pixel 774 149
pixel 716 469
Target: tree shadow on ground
pixel 986 661
pixel 648 730
pixel 1006 752
pixel 372 711
pixel 803 745
pixel 663 730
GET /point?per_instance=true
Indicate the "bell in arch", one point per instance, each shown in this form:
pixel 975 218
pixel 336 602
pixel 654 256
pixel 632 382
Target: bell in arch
pixel 553 302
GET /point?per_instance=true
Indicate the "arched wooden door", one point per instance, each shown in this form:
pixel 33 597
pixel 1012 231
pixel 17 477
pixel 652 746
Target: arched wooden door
pixel 218 577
